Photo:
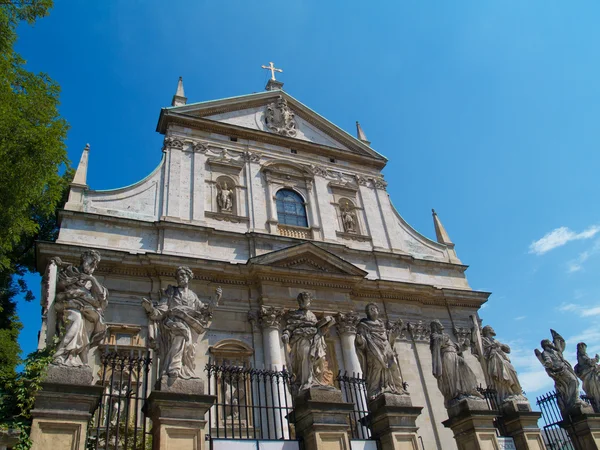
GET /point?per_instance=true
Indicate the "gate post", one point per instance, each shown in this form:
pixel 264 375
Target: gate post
pixel 393 421
pixel 584 430
pixel 63 408
pixel 520 423
pixel 321 419
pixel 178 419
pixel 473 425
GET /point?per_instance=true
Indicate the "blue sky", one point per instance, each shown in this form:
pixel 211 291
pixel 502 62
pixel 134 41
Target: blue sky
pixel 487 111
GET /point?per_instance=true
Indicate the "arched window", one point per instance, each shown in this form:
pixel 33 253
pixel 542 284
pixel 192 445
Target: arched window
pixel 290 208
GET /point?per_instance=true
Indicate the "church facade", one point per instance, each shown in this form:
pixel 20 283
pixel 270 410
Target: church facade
pixel 266 199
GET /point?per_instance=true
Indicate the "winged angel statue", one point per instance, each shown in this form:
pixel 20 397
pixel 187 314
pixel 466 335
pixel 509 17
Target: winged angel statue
pixel 560 370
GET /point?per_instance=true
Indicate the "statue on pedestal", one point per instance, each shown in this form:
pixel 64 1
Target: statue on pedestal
pixel 175 325
pixel 79 304
pixel 455 378
pixel 224 198
pixel 560 370
pixel 501 372
pixel 378 360
pixel 588 371
pixel 306 337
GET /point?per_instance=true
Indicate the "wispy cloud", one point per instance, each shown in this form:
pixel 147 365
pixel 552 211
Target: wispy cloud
pixel 576 264
pixel 581 310
pixel 559 237
pixel 520 317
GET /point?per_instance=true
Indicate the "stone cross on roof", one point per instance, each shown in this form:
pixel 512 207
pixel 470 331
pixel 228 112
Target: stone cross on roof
pixel 272 68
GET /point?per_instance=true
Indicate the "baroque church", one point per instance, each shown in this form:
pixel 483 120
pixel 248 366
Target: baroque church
pixel 267 202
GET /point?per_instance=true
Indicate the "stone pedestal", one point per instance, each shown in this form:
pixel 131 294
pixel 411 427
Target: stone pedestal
pixel 178 418
pixel 473 425
pixel 320 417
pixel 393 421
pixel 63 409
pixel 521 423
pixel 584 430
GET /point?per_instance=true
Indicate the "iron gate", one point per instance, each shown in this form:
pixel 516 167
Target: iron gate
pixel 118 422
pixel 354 390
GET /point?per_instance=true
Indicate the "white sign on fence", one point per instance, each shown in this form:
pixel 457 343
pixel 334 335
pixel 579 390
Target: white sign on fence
pixel 507 443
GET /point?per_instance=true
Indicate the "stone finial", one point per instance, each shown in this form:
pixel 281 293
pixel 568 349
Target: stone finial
pixel 440 231
pixel 80 178
pixel 179 99
pixel 346 322
pixel 360 134
pixel 270 316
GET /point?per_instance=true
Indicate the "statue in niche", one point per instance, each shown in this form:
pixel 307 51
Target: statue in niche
pixel 499 368
pixel 224 198
pixel 306 338
pixel 560 370
pixel 455 378
pixel 79 304
pixel 378 360
pixel 348 218
pixel 176 322
pixel 588 371
pixel 280 118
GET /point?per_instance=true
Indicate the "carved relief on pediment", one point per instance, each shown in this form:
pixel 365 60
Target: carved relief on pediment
pixel 280 119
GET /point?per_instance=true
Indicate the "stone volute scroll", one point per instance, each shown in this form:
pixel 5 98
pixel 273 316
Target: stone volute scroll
pixel 456 381
pixel 175 324
pixel 561 371
pixel 79 304
pixel 588 371
pixel 379 362
pixel 280 118
pixel 305 335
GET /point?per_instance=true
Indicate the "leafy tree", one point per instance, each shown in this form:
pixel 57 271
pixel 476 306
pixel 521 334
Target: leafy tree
pixel 34 172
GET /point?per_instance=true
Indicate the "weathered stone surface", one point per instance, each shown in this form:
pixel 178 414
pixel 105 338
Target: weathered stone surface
pixel 69 375
pixel 193 386
pixel 392 420
pixel 588 371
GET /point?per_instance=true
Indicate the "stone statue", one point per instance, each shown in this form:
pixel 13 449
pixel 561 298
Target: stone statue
pixel 378 360
pixel 79 304
pixel 306 337
pixel 175 325
pixel 455 378
pixel 501 372
pixel 560 370
pixel 224 198
pixel 588 371
pixel 348 219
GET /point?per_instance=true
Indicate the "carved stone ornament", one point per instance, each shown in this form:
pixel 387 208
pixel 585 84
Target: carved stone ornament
pixel 270 316
pixel 379 183
pixel 280 118
pixel 375 349
pixel 463 336
pixel 176 323
pixel 362 181
pixel 171 142
pixel 588 371
pixel 560 370
pixel 80 301
pixel 346 322
pixel 252 157
pixel 456 380
pixel 200 147
pixel 305 335
pixel 319 171
pixel 419 331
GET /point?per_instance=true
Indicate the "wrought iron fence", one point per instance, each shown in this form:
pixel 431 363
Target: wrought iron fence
pixel 556 428
pixel 354 390
pixel 118 422
pixel 251 403
pixel 491 397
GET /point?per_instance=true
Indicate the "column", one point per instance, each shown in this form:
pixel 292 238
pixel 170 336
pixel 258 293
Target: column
pixel 63 408
pixel 178 419
pixel 346 328
pixel 270 321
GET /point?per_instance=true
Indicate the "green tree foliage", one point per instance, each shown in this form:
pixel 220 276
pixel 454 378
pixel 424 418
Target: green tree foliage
pixel 34 172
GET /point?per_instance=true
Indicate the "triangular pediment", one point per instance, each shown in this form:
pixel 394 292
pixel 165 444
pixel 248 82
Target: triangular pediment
pixel 307 257
pixel 276 113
